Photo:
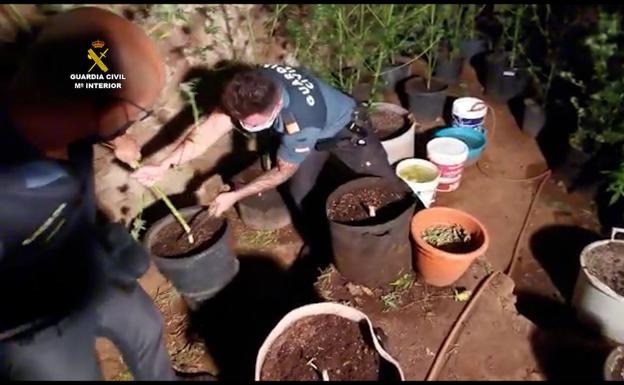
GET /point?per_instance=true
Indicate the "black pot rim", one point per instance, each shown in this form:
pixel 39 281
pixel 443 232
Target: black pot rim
pixel 358 227
pixel 410 90
pixel 169 218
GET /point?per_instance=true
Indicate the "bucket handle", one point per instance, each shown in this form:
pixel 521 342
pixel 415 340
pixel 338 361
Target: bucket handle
pixel 479 104
pixel 615 231
pixel 378 234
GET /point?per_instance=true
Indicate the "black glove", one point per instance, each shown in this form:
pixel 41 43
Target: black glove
pixel 124 260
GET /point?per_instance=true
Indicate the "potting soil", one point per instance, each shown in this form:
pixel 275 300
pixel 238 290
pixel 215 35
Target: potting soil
pixel 327 342
pixel 607 264
pixel 452 239
pixel 386 123
pixel 172 241
pixel 355 206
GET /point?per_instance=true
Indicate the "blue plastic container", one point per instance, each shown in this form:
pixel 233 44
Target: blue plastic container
pixel 474 139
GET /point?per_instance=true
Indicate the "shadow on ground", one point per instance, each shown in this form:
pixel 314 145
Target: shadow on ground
pixel 235 323
pixel 564 347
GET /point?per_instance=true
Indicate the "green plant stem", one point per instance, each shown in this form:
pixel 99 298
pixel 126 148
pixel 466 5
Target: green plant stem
pixel 19 18
pixel 431 39
pixel 516 35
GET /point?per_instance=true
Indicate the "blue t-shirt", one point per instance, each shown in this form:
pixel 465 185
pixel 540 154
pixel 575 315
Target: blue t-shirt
pixel 321 111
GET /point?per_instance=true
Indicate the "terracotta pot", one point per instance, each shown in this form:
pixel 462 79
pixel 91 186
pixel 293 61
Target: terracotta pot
pixel 438 267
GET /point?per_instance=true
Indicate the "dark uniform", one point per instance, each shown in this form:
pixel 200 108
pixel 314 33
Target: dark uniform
pixel 325 124
pixel 64 279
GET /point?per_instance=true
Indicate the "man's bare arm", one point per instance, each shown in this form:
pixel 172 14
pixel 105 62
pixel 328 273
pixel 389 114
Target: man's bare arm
pixel 200 138
pixel 269 180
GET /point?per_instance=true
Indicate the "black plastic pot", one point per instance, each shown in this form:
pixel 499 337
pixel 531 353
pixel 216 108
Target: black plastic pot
pixel 392 75
pixel 503 83
pixel 472 47
pixel 203 274
pixel 264 211
pixel 533 119
pixel 425 105
pixel 449 70
pixel 369 253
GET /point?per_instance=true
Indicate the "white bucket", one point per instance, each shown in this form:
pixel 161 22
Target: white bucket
pixel 596 303
pixel 469 112
pixel 449 155
pixel 319 309
pixel 402 146
pixel 424 190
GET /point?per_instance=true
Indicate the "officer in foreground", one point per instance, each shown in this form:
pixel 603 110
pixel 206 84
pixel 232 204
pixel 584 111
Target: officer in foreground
pixel 66 277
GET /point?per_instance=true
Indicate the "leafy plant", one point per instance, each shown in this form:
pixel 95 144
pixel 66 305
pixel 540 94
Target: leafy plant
pixel 511 18
pixel 434 32
pixel 599 113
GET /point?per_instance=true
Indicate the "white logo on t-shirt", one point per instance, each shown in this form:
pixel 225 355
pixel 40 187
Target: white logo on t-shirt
pixel 296 79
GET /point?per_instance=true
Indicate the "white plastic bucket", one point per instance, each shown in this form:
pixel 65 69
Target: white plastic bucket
pixel 319 309
pixel 402 146
pixel 449 155
pixel 596 303
pixel 469 112
pixel 424 190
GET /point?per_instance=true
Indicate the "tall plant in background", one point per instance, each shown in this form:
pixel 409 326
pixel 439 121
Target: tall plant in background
pixel 434 32
pixel 511 18
pixel 600 113
pixel 452 17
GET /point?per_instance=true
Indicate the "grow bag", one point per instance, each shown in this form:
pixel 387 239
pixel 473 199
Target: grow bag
pixel 502 82
pixel 200 274
pixel 597 304
pixel 373 253
pixel 399 145
pixel 390 370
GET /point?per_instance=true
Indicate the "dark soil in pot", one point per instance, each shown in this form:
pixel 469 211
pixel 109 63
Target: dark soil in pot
pixel 172 241
pixel 367 206
pixel 452 239
pixel 607 264
pixel 330 343
pixel 387 124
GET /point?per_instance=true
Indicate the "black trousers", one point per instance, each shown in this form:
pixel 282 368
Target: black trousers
pixel 66 351
pixel 369 159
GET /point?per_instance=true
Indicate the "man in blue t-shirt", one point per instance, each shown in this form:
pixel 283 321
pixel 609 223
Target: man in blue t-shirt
pixel 312 119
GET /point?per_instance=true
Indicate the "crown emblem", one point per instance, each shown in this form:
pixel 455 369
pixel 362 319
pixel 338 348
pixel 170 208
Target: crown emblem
pixel 98 44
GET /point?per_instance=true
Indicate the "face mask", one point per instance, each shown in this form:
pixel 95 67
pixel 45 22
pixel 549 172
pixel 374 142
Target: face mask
pixel 263 126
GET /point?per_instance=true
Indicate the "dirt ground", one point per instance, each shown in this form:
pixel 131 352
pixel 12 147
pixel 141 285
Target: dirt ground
pixel 528 318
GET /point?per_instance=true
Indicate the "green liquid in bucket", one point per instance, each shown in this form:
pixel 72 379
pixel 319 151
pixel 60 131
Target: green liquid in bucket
pixel 417 174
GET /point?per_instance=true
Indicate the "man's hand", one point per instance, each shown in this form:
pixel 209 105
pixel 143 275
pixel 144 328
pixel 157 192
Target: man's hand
pixel 222 203
pixel 150 174
pixel 127 149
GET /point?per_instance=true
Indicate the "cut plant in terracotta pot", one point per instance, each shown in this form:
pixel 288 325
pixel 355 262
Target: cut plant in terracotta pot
pixel 325 341
pixel 447 242
pixel 263 211
pixel 198 270
pixel 369 225
pixel 395 129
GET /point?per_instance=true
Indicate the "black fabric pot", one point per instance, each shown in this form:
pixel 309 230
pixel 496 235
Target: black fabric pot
pixel 533 119
pixel 449 70
pixel 425 105
pixel 203 274
pixel 472 47
pixel 503 83
pixel 373 254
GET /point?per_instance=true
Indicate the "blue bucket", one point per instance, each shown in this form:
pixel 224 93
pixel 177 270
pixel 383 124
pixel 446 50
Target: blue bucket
pixel 474 139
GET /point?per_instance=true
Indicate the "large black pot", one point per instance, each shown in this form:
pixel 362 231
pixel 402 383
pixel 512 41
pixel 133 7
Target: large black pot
pixel 425 104
pixel 203 274
pixel 370 253
pixel 502 82
pixel 449 71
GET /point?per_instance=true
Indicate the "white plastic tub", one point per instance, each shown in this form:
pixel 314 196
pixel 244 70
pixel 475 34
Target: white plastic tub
pixel 596 303
pixel 402 146
pixel 320 309
pixel 425 191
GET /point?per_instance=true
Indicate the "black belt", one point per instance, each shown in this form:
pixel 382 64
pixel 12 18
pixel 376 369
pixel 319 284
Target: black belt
pixel 351 135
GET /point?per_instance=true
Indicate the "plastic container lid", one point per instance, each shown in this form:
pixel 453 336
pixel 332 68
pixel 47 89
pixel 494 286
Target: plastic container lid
pixel 469 108
pixel 447 151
